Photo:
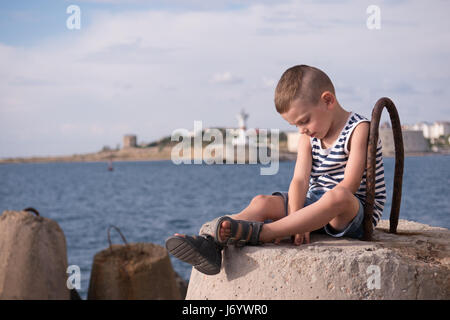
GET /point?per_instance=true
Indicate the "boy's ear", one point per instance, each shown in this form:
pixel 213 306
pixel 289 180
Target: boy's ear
pixel 328 98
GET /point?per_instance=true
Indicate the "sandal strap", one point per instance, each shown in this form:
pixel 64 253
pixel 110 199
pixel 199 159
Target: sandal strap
pixel 246 226
pixel 256 231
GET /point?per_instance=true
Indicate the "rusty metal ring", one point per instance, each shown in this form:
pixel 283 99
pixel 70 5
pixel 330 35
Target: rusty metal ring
pixel 30 209
pixel 121 235
pixel 371 166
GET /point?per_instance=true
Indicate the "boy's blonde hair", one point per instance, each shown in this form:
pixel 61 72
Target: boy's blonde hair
pixel 303 82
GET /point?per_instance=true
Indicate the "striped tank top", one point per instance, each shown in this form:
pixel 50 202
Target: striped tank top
pixel 328 167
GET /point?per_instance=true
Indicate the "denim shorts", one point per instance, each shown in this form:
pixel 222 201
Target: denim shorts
pixel 354 229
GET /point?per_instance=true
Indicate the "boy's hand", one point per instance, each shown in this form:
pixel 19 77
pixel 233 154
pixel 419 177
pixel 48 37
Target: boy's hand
pixel 299 238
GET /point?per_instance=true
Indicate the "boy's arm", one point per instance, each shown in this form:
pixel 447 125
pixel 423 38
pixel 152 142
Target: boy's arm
pixel 300 180
pixel 357 158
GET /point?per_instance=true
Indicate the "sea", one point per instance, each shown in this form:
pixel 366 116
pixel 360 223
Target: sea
pixel 149 201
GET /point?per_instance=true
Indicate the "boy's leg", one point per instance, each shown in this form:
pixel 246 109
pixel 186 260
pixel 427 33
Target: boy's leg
pixel 261 208
pixel 337 207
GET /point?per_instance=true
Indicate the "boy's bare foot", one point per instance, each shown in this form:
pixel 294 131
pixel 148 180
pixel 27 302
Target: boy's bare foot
pixel 225 230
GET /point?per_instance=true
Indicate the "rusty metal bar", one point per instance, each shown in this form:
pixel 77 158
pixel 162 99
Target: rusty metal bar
pixel 371 165
pixel 121 235
pixel 30 209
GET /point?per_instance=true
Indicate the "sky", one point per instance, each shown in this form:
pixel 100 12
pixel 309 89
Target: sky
pixel 151 67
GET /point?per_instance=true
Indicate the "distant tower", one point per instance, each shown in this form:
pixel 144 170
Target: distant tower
pixel 242 119
pixel 129 141
pixel 242 138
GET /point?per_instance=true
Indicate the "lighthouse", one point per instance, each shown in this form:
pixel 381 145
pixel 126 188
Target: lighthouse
pixel 242 120
pixel 241 138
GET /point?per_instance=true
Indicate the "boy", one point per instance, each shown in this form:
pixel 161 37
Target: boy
pixel 327 191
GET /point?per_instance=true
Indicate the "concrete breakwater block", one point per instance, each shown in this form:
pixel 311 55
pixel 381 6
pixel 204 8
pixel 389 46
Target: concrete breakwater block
pixel 33 257
pixel 133 271
pixel 412 264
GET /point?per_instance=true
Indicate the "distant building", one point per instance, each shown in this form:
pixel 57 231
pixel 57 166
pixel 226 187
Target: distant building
pixel 440 128
pixel 385 125
pixel 425 127
pixel 432 131
pixel 413 141
pixel 129 141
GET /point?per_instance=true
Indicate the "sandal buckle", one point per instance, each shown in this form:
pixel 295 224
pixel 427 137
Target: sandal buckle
pixel 241 243
pixel 231 241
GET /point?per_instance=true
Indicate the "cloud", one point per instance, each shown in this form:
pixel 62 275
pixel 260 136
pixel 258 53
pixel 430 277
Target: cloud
pixel 89 129
pixel 24 81
pixel 130 53
pixel 402 87
pixel 68 128
pixel 269 83
pixel 226 78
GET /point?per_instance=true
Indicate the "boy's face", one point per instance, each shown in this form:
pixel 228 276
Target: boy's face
pixel 313 120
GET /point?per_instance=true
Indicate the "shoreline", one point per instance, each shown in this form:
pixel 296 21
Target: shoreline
pixel 151 154
pixel 125 155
